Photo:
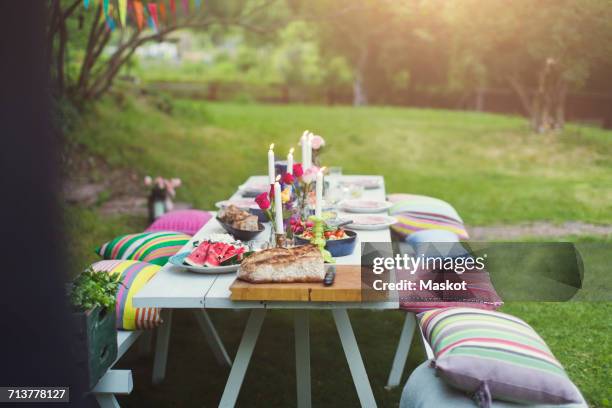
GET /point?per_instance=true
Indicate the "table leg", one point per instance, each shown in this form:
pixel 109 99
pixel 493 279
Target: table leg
pixel 302 358
pixel 161 347
pixel 353 358
pixel 243 357
pixel 107 401
pixel 212 337
pixel 401 354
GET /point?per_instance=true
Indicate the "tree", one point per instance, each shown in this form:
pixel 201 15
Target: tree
pixel 95 70
pixel 541 49
pixel 359 31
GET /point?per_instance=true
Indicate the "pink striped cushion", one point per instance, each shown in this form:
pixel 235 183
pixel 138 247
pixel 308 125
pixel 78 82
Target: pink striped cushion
pixel 186 221
pixel 480 293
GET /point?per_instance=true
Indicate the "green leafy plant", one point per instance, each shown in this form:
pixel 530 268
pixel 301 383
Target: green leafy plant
pixel 94 288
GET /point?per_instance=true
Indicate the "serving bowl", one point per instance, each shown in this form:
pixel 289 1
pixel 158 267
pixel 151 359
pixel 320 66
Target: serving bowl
pixel 242 235
pixel 336 247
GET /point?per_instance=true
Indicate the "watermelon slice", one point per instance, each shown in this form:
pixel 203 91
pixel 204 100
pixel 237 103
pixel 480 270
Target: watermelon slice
pixel 231 253
pixel 215 253
pixel 199 255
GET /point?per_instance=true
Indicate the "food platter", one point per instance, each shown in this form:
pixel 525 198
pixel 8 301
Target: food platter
pixel 365 206
pixel 178 260
pixel 370 222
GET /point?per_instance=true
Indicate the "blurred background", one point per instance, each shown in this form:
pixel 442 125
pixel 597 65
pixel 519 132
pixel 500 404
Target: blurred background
pixel 502 108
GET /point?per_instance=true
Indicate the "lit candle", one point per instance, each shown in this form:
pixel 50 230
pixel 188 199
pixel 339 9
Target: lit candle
pixel 271 173
pixel 278 209
pixel 304 143
pixel 290 161
pixel 319 201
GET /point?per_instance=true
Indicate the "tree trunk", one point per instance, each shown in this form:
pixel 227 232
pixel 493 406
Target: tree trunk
pixel 546 107
pixel 480 99
pixel 360 97
pixel 285 93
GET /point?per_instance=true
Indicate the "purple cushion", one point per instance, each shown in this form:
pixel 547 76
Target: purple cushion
pixel 186 221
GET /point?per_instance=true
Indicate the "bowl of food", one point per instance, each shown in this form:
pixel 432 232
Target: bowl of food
pixel 339 242
pixel 239 223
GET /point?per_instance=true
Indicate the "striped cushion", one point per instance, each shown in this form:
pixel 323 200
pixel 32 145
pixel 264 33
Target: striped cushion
pixel 134 275
pixel 151 247
pixel 412 221
pixel 495 355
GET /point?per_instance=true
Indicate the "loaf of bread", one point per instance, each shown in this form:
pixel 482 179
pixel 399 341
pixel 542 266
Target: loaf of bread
pixel 239 219
pixel 248 223
pixel 299 264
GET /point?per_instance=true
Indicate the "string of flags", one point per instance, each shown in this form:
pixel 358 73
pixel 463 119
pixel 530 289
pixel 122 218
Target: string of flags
pixel 154 13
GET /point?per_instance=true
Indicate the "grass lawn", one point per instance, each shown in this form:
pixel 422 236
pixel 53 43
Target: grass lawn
pixel 488 166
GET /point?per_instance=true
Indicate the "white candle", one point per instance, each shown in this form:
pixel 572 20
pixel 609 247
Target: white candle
pixel 304 143
pixel 278 209
pixel 271 172
pixel 290 161
pixel 319 201
pixel 309 149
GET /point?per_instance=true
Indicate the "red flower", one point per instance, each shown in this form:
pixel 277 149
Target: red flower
pixel 263 201
pixel 297 170
pixel 288 178
pixel 271 193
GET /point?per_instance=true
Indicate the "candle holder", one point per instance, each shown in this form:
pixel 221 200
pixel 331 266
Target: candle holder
pixel 281 240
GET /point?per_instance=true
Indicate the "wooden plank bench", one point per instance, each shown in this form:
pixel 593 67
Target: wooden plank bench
pixel 116 382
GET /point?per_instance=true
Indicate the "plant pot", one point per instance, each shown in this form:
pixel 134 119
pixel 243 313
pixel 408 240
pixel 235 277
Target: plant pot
pixel 95 342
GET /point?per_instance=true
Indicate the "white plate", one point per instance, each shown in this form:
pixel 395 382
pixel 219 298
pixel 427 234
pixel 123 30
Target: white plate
pixel 177 260
pixel 254 188
pixel 370 222
pixel 365 206
pixel 242 203
pixel 367 183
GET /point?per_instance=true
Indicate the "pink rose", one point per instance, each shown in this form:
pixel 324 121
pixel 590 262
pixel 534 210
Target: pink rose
pixel 288 178
pixel 298 171
pixel 317 142
pixel 310 175
pixel 263 201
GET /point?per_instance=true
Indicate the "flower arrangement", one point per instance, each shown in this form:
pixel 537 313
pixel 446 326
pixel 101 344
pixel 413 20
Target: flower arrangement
pixel 161 195
pixel 264 201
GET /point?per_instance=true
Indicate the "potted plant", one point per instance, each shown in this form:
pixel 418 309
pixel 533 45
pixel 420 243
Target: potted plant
pixel 93 295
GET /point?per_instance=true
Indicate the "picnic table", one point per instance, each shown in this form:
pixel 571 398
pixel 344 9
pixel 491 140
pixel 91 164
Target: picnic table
pixel 175 288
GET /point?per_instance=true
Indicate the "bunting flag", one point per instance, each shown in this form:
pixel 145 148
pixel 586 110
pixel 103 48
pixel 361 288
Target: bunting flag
pixel 139 11
pixel 122 12
pixel 198 4
pixel 110 21
pixel 185 7
pixel 153 14
pixel 86 4
pixel 173 7
pixel 106 4
pixel 162 12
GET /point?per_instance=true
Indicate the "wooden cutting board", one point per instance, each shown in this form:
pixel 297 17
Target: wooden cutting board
pixel 346 288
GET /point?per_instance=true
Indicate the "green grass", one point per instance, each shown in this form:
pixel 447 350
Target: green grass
pixel 488 166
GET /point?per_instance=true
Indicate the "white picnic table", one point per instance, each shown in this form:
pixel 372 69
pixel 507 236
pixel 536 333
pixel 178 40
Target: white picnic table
pixel 174 288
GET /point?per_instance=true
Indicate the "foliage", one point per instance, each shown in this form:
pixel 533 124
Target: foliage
pixel 84 63
pixel 94 288
pixel 539 48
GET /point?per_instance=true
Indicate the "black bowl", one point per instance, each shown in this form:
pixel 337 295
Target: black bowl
pixel 336 247
pixel 261 214
pixel 242 235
